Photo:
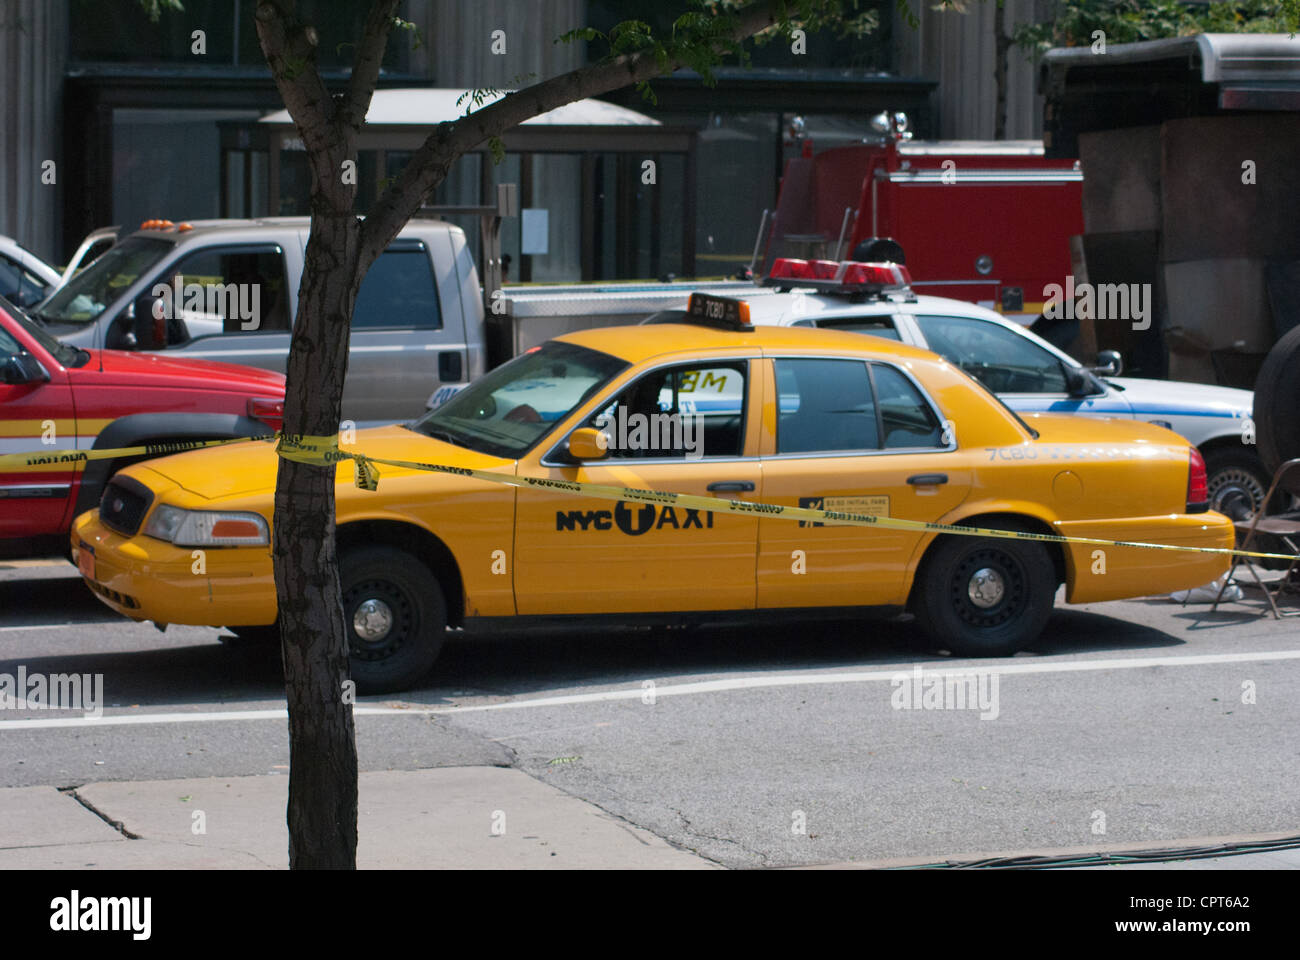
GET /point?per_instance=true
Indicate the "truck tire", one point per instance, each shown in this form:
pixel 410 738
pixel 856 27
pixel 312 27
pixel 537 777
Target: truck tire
pixel 395 617
pixel 984 597
pixel 1277 400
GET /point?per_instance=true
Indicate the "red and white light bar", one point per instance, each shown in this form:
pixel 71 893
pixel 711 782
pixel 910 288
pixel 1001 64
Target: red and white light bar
pixel 830 276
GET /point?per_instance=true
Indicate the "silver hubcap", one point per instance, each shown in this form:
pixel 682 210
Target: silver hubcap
pixel 373 620
pixel 985 588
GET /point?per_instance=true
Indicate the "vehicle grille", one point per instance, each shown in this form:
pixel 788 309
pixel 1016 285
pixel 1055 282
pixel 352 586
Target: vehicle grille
pixel 124 505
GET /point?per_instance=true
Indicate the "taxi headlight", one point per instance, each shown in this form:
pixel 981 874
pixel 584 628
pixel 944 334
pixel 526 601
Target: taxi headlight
pixel 207 528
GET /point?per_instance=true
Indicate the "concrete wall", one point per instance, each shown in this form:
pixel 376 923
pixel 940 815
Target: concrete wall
pixel 458 40
pixel 33 48
pixel 957 49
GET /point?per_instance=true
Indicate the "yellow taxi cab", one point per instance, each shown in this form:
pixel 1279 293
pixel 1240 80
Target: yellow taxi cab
pixel 711 406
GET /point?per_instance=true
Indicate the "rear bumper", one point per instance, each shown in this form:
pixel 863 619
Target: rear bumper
pixel 1099 572
pixel 147 579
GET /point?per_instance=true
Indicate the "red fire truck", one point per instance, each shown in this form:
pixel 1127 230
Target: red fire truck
pixel 984 221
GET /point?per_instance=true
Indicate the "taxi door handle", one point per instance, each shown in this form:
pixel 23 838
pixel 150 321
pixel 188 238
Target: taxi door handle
pixel 722 486
pixel 927 479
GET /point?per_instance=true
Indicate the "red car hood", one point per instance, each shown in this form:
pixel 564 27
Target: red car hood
pixel 126 368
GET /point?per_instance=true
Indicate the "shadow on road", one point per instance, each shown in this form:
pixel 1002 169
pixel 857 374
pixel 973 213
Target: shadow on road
pixel 519 662
pixel 45 595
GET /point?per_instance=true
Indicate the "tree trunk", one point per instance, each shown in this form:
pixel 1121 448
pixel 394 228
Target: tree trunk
pixel 322 811
pixel 1002 44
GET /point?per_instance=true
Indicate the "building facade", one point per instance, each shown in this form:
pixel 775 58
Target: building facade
pixel 143 119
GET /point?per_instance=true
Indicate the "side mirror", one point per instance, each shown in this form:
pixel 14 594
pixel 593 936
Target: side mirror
pixel 147 327
pixel 22 368
pixel 588 443
pixel 1078 383
pixel 1109 364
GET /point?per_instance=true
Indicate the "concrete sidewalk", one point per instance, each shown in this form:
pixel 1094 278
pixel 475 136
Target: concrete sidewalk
pixel 440 818
pixel 436 818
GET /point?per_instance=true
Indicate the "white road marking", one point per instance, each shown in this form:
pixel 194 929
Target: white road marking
pixel 47 626
pixel 677 689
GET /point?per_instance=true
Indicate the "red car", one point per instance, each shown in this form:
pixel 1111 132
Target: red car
pixel 57 397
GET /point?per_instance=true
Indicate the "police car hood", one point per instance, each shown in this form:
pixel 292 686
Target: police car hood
pixel 1175 396
pixel 249 469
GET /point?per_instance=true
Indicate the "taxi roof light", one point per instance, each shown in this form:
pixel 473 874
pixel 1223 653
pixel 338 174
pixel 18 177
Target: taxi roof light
pixel 711 310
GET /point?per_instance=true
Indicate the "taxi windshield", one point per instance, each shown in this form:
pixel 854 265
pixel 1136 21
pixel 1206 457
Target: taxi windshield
pixel 88 294
pixel 511 408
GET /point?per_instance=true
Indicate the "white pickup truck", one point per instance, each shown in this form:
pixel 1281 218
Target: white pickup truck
pixel 228 290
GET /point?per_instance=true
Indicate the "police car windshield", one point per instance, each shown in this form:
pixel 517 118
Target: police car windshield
pixel 510 409
pixel 83 298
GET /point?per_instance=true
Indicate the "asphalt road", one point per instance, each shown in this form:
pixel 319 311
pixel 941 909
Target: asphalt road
pixel 755 745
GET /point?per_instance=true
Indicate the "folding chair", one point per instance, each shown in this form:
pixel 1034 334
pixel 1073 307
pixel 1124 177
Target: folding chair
pixel 1283 526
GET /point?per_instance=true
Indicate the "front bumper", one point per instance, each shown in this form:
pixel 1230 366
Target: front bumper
pixel 147 579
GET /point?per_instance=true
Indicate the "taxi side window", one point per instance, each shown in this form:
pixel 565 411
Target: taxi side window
pixel 683 412
pixel 825 406
pixel 1001 359
pixel 905 418
pixel 243 288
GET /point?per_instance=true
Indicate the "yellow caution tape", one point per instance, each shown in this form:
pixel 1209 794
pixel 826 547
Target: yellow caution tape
pixel 325 451
pixel 11 461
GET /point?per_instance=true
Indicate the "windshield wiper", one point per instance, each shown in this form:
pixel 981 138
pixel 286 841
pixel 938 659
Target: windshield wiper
pixel 446 435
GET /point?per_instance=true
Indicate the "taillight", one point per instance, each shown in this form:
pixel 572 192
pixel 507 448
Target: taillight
pixel 270 410
pixel 1198 487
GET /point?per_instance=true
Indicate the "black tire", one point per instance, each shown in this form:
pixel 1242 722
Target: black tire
pixel 951 619
pixel 410 610
pixel 269 634
pixel 1277 398
pixel 1238 482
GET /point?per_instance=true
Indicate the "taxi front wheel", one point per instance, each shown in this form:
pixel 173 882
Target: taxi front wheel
pixel 984 597
pixel 395 617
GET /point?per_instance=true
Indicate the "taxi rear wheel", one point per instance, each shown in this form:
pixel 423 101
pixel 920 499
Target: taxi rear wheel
pixel 984 597
pixel 395 617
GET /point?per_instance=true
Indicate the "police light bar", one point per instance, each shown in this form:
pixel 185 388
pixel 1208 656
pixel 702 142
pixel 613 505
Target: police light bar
pixel 844 276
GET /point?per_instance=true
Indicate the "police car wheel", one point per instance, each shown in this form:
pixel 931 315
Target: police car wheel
pixel 984 597
pixel 1237 483
pixel 395 617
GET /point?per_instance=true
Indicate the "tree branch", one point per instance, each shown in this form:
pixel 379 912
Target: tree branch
pixel 449 140
pixel 290 49
pixel 365 66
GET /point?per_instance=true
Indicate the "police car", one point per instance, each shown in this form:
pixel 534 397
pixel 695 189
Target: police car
pixel 1027 373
